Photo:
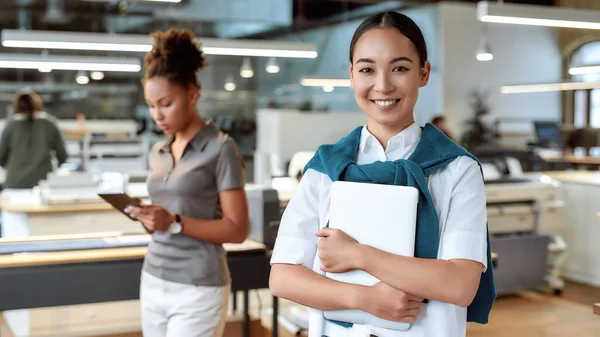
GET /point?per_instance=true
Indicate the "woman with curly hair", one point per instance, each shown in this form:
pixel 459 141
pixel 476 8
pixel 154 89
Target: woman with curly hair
pixel 196 185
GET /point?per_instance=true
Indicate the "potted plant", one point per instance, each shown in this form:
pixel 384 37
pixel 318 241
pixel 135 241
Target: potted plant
pixel 478 134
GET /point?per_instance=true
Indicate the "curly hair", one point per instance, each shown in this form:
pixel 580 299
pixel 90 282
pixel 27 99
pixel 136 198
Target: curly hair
pixel 176 56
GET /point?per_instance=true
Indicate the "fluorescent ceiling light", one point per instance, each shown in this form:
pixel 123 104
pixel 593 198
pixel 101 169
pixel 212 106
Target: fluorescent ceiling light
pixel 544 87
pixel 533 15
pixel 246 70
pixel 484 52
pixel 97 75
pixel 143 43
pixel 328 88
pixel 272 67
pixel 111 89
pixel 229 84
pixel 584 70
pixel 82 78
pixel 95 63
pixel 325 82
pixel 484 56
pixel 76 41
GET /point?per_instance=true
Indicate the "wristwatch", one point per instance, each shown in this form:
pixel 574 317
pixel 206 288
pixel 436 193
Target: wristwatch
pixel 176 226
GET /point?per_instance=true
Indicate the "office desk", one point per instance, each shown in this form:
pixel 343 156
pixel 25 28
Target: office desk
pixel 574 161
pixel 20 219
pixel 53 276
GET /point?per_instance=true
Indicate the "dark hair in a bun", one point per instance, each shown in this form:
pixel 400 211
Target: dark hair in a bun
pixel 401 22
pixel 176 56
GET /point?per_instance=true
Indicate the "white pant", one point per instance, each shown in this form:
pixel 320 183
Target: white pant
pixel 172 309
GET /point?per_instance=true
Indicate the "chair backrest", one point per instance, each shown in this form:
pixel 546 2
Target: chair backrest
pixel 585 138
pixel 298 161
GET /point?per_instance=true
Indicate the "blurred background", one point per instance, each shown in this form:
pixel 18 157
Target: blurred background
pixel 517 83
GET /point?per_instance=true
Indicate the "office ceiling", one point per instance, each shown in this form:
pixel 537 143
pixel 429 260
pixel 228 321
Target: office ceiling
pixel 137 16
pixel 207 18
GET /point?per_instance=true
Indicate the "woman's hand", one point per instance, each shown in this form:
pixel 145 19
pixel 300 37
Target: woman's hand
pixel 153 217
pixel 338 252
pixel 391 304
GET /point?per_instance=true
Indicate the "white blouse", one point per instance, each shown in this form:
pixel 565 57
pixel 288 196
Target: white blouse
pixel 458 194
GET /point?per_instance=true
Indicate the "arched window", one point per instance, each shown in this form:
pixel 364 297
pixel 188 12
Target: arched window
pixel 586 110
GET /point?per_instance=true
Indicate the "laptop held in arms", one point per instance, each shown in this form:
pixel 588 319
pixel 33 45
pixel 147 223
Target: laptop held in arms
pixel 381 216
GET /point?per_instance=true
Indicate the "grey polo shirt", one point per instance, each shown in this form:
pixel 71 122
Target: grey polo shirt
pixel 211 162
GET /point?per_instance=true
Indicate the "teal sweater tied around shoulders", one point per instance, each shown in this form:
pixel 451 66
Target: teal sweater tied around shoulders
pixel 434 152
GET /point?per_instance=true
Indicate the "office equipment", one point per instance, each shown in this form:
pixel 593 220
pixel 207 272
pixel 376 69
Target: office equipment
pixel 63 187
pixel 23 214
pixel 265 214
pixel 525 219
pixel 381 216
pixel 120 201
pixel 528 159
pixel 111 266
pixel 548 134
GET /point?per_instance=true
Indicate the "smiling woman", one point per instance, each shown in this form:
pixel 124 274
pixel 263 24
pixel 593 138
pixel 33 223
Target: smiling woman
pixel 451 266
pixel 387 69
pixel 196 184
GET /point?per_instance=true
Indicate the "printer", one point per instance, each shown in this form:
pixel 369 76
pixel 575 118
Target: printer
pixel 265 213
pixel 518 201
pixel 62 187
pixel 525 219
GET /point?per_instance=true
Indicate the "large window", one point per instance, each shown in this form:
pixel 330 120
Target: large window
pixel 586 110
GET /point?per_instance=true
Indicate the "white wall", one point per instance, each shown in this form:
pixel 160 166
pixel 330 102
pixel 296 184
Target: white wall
pixel 522 54
pixel 284 132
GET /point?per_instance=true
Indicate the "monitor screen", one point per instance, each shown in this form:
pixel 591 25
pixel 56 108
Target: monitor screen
pixel 548 134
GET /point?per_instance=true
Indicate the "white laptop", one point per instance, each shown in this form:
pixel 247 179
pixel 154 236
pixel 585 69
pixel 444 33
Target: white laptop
pixel 381 216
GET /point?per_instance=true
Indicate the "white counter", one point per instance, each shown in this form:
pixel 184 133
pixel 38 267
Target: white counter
pixel 581 192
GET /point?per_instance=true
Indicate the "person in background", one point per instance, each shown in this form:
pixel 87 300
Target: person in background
pixel 451 267
pixel 29 139
pixel 196 184
pixel 440 123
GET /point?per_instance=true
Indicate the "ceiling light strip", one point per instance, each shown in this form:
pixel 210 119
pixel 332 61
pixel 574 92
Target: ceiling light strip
pixel 324 82
pixel 533 15
pixel 69 66
pixel 584 70
pixel 29 61
pixel 78 45
pixel 113 89
pixel 546 87
pixel 143 43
